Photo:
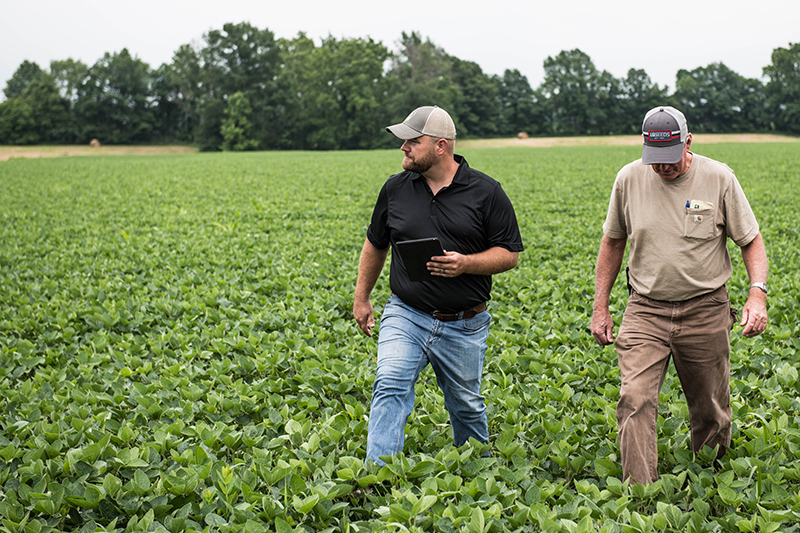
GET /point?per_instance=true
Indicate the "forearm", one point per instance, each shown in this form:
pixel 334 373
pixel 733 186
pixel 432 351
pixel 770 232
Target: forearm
pixel 369 269
pixel 609 261
pixel 754 312
pixel 754 256
pixel 492 261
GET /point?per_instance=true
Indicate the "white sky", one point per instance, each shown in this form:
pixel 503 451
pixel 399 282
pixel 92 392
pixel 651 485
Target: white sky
pixel 659 37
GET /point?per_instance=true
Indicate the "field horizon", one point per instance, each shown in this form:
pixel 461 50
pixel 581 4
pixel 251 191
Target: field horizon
pixel 39 151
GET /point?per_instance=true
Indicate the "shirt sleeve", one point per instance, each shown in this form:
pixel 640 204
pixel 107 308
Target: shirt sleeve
pixel 378 232
pixel 740 222
pixel 614 226
pixel 501 223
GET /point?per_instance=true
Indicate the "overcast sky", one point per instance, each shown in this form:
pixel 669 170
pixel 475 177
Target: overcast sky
pixel 659 37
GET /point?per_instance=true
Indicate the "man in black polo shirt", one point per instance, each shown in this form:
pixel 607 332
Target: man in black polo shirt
pixel 443 321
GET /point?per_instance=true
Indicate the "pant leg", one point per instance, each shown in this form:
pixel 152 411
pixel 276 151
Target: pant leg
pixel 457 357
pixel 642 345
pixel 701 352
pixel 401 357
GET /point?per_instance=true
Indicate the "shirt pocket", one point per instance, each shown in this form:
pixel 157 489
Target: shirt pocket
pixel 699 220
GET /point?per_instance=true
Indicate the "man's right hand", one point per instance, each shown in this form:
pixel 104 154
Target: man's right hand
pixel 602 327
pixel 362 312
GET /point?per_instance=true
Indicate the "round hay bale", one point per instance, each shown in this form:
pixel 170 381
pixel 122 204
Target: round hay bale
pixel 522 135
pixel 94 143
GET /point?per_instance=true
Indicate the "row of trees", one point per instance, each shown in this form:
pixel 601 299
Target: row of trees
pixel 244 89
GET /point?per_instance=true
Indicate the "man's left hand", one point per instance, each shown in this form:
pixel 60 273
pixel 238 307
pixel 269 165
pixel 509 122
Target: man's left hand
pixel 449 265
pixel 754 314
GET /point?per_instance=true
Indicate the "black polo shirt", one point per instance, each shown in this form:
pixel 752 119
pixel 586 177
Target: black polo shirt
pixel 469 216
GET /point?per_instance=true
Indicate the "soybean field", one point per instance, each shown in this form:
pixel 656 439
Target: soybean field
pixel 177 353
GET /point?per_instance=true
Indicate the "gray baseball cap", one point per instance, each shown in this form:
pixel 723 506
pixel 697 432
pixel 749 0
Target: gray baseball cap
pixel 664 130
pixel 426 120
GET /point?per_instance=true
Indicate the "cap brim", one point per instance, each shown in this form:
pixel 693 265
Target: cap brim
pixel 662 155
pixel 401 131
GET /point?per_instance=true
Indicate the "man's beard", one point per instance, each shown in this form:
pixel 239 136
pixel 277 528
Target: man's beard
pixel 421 165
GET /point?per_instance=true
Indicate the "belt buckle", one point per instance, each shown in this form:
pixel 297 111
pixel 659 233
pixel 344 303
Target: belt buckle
pixel 444 317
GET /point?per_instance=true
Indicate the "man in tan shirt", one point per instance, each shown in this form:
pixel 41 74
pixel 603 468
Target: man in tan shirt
pixel 677 209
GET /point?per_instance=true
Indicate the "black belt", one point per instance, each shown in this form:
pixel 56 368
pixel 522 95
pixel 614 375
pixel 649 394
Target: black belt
pixel 449 317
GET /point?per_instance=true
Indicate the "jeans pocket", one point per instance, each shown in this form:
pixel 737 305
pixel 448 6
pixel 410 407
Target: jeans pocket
pixel 719 297
pixel 478 322
pixel 391 307
pixel 635 298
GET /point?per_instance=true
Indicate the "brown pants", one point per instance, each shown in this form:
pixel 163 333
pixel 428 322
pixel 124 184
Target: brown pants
pixel 696 333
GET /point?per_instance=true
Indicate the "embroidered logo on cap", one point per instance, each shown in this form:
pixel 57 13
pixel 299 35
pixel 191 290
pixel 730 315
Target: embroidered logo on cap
pixel 661 135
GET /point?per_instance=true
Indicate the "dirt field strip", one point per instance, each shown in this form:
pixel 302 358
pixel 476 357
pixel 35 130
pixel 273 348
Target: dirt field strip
pixel 8 152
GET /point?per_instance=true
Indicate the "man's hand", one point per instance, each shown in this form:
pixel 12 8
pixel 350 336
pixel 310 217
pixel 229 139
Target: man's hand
pixel 449 265
pixel 602 327
pixel 369 268
pixel 609 260
pixel 363 313
pixel 754 314
pixel 486 263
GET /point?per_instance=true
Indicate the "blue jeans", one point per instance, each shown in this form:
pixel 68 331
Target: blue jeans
pixel 410 339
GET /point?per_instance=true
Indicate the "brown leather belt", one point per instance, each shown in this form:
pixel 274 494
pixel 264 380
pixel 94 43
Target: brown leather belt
pixel 469 313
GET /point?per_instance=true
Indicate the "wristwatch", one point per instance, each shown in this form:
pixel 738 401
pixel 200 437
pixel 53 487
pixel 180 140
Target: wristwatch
pixel 760 285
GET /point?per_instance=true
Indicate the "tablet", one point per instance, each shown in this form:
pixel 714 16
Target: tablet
pixel 415 255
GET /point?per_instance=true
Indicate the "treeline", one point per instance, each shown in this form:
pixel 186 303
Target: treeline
pixel 244 89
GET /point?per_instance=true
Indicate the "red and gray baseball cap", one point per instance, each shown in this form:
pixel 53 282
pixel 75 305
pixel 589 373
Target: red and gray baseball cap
pixel 664 131
pixel 426 120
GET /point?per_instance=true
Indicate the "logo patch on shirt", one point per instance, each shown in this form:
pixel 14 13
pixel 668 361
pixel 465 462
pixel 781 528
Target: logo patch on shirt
pixel 698 219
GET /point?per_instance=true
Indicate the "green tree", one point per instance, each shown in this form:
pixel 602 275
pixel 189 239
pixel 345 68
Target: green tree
pixel 640 95
pixel 50 111
pixel 17 122
pixel 610 101
pixel 579 97
pixel 68 75
pixel 716 99
pixel 520 106
pixel 186 75
pixel 783 89
pixel 239 58
pixel 113 103
pixel 333 94
pixel 345 99
pixel 37 115
pixel 420 74
pixel 477 104
pixel 295 114
pixel 236 127
pixel 25 74
pixel 169 118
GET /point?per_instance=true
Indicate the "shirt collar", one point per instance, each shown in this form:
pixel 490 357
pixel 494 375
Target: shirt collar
pixel 461 173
